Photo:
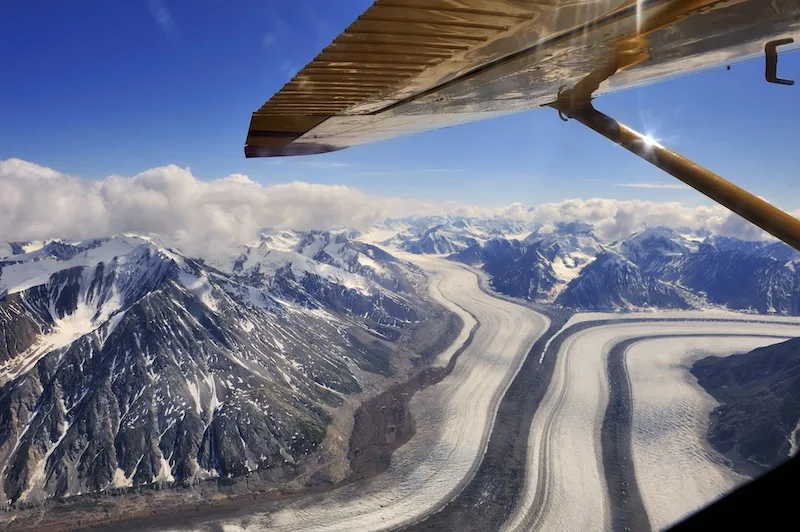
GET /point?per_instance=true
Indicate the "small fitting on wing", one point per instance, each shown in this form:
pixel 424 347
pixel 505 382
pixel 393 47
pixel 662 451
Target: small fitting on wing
pixel 771 52
pixel 570 101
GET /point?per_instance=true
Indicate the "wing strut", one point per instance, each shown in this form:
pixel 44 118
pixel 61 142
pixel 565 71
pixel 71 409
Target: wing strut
pixel 768 217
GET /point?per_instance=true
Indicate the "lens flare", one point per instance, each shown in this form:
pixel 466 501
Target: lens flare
pixel 650 141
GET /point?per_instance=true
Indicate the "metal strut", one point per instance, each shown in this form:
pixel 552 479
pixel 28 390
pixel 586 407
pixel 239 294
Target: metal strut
pixel 750 207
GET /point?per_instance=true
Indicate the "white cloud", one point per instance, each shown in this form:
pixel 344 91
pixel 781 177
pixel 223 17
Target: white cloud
pixel 515 211
pixel 206 216
pixel 15 167
pixel 614 219
pixel 268 40
pixel 198 216
pixel 546 229
pixel 652 185
pixel 611 219
pixel 163 18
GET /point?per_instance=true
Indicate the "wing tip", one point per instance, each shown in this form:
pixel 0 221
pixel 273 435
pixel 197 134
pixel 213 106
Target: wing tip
pixel 276 135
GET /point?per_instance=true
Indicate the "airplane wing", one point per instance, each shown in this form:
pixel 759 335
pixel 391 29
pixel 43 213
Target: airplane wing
pixel 406 66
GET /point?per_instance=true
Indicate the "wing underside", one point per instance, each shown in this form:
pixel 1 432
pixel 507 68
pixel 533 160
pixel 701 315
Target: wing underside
pixel 406 66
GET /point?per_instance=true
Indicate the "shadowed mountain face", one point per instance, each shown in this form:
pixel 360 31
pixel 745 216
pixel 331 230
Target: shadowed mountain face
pixel 656 268
pixel 657 251
pixel 124 363
pixel 493 257
pixel 744 279
pixel 756 423
pixel 613 282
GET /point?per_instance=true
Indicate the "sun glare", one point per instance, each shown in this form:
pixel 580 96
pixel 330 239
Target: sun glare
pixel 638 16
pixel 649 141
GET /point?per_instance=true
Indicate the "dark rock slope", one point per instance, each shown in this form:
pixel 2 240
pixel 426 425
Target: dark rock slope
pixel 759 395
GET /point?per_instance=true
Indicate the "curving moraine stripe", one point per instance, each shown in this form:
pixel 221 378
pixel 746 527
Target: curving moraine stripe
pixel 627 508
pixel 535 508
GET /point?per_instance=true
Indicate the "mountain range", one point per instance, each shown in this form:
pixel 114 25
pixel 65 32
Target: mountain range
pixel 569 266
pixel 125 362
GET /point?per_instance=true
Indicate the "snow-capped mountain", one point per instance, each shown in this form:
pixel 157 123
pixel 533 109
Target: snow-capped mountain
pixel 538 267
pixel 416 225
pixel 329 270
pixel 441 239
pixel 748 280
pixel 775 250
pixel 657 267
pixel 613 282
pixel 657 250
pixel 124 362
pixel 529 277
pixel 493 256
pixel 448 234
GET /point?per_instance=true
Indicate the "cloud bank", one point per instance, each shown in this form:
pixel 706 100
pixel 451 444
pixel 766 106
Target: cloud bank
pixel 40 203
pixel 616 219
pixel 205 216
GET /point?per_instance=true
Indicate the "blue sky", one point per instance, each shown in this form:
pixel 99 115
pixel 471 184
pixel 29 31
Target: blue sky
pixel 95 88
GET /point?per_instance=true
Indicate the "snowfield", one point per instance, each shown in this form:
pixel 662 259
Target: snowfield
pixel 20 272
pixel 564 453
pixel 453 421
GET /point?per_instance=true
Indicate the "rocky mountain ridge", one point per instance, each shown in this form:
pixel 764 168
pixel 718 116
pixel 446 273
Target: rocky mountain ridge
pixel 655 268
pixel 125 362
